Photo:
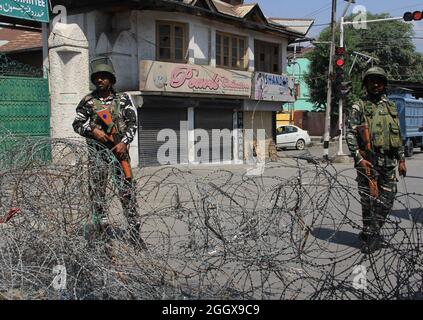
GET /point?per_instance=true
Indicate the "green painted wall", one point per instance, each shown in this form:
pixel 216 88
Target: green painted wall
pixel 298 70
pixel 24 118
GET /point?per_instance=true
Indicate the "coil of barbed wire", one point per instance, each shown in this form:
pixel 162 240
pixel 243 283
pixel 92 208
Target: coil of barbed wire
pixel 288 233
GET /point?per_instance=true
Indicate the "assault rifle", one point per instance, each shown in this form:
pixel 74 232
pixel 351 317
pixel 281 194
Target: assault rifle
pixel 112 133
pixel 367 154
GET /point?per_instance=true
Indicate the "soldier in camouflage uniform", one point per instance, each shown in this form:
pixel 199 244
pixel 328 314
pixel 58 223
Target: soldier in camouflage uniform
pixel 88 125
pixel 381 117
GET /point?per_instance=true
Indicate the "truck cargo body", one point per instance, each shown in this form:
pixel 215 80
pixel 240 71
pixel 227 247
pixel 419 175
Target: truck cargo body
pixel 410 114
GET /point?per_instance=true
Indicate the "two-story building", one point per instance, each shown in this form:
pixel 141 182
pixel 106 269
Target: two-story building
pixel 203 74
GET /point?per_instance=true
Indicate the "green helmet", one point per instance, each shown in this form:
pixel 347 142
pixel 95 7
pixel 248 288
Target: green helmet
pixel 376 71
pixel 102 67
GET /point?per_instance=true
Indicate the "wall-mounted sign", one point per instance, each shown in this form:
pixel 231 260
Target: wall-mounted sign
pixel 35 10
pixel 273 87
pixel 185 78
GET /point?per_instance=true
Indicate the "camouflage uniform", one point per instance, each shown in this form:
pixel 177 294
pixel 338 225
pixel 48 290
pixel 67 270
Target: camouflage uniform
pixel 124 116
pixel 382 118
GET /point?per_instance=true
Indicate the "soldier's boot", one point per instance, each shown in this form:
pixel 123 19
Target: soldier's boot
pixel 135 237
pixel 373 244
pixel 105 229
pixel 364 236
pixel 105 234
pixel 368 226
pixel 382 213
pixel 373 240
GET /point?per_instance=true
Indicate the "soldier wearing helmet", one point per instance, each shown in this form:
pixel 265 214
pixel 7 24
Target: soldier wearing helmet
pixel 377 156
pixel 88 125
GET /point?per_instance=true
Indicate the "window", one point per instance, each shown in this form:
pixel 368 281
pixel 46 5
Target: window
pixel 290 129
pixel 172 41
pixel 231 51
pixel 286 129
pixel 267 57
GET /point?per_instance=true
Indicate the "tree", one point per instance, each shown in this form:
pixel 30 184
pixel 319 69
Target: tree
pixel 389 42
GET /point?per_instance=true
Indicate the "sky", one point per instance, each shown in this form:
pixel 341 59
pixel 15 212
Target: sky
pixel 320 10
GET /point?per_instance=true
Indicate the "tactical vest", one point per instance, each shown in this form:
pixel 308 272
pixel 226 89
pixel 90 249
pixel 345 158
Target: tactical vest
pixel 114 109
pixel 382 119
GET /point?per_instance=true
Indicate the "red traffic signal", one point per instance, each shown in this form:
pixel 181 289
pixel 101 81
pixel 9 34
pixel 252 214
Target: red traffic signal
pixel 339 59
pixel 413 16
pixel 417 15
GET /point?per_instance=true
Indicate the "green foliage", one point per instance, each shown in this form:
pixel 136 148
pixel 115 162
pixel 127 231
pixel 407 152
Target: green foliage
pixel 389 42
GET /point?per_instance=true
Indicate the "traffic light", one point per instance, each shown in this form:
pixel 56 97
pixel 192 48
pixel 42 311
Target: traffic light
pixel 339 57
pixel 413 16
pixel 345 88
pixel 339 65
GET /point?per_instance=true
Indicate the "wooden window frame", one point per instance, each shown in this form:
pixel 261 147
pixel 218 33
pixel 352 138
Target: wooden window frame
pixel 172 25
pixel 231 37
pixel 257 44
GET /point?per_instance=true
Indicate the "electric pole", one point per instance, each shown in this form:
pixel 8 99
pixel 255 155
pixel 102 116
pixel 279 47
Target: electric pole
pixel 330 76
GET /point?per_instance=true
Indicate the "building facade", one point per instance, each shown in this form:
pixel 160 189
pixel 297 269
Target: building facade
pixel 204 75
pixel 298 70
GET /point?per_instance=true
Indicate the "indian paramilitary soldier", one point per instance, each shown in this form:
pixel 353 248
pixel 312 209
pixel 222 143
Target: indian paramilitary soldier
pixel 88 123
pixel 375 142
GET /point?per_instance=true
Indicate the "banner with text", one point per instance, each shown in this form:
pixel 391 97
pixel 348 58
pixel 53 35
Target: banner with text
pixel 185 78
pixel 273 87
pixel 35 10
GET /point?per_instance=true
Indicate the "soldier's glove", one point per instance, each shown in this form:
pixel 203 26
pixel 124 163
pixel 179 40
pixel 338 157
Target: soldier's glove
pixel 402 169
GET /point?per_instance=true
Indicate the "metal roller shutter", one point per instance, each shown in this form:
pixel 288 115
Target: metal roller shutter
pixel 151 121
pixel 213 118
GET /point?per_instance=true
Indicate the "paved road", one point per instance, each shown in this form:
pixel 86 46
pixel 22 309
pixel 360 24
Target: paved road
pixel 334 234
pixel 414 177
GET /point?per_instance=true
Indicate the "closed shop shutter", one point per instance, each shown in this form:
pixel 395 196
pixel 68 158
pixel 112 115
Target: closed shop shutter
pixel 151 121
pixel 213 118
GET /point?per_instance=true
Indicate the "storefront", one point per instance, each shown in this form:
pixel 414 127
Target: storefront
pixel 270 92
pixel 191 114
pixel 155 115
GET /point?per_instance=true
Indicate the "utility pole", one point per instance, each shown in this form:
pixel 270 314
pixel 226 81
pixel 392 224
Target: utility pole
pixel 330 76
pixel 292 105
pixel 341 100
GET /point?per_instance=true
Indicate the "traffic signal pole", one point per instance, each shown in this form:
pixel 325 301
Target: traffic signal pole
pixel 411 16
pixel 329 92
pixel 341 100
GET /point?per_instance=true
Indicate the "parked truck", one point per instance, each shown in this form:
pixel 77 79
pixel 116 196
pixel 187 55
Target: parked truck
pixel 410 114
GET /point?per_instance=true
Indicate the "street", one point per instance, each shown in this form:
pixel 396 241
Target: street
pixel 138 159
pixel 302 219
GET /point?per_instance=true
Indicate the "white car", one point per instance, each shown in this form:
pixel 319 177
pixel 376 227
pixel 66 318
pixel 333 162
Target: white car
pixel 292 136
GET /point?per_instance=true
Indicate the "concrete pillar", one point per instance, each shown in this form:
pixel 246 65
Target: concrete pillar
pixel 238 139
pixel 137 102
pixel 213 48
pixel 191 44
pixel 284 56
pixel 69 76
pixel 191 136
pixel 250 54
